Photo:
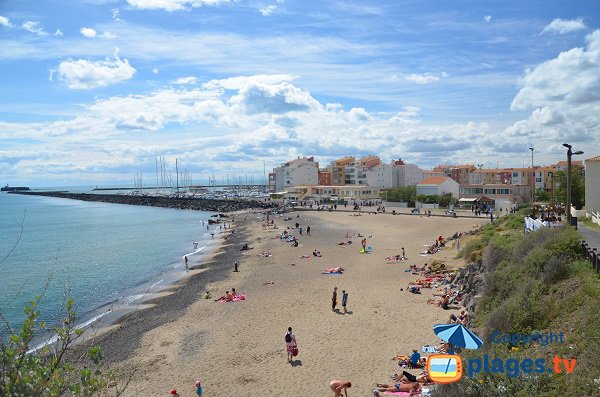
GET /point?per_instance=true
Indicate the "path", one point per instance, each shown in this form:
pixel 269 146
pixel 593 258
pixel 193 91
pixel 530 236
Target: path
pixel 590 235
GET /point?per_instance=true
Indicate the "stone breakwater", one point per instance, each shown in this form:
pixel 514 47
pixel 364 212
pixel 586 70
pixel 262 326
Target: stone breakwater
pixel 184 203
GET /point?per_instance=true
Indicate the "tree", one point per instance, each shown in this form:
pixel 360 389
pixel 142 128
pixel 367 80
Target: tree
pixel 47 372
pixel 577 187
pixel 406 194
pixel 542 195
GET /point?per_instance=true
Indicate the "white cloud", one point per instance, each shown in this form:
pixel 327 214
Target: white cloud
pixel 267 10
pixel 5 22
pixel 84 74
pixel 172 5
pixel 108 35
pixel 155 71
pixel 487 18
pixel 562 26
pixel 424 78
pixel 116 15
pixel 34 27
pixel 88 32
pixel 58 33
pixel 186 80
pixel 564 94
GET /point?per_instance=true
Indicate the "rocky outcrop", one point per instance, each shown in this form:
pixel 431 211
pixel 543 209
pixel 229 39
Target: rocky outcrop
pixel 185 203
pixel 471 281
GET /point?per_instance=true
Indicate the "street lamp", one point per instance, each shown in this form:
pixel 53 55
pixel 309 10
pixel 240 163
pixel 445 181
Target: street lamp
pixel 570 154
pixel 533 173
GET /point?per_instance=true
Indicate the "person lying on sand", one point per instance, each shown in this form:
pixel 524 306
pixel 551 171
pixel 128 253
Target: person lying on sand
pixel 414 289
pixel 407 377
pixel 304 256
pixel 334 270
pixel 228 297
pixel 413 388
pixel 265 254
pixel 317 253
pixel 345 242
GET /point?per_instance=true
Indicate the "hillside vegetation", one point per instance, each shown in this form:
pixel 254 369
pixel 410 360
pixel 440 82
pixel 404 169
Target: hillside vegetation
pixel 534 283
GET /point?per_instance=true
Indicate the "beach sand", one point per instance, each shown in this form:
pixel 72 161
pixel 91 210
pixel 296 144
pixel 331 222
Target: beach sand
pixel 238 349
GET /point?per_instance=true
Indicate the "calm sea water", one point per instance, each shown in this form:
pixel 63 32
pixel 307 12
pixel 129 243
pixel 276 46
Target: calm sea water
pixel 98 252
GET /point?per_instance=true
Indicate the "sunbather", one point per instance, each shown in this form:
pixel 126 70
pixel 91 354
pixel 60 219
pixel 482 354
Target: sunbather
pixel 317 253
pixel 413 388
pixel 407 377
pixel 334 270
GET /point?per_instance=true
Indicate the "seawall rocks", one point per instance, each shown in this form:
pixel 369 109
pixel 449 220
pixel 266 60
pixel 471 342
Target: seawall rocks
pixel 184 203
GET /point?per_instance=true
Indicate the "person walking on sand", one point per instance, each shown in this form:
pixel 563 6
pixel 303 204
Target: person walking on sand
pixel 337 386
pixel 235 267
pixel 198 388
pixel 344 299
pixel 308 230
pixel 334 299
pixel 186 263
pixel 290 344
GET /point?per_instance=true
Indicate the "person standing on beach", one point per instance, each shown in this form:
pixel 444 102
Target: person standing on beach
pixel 186 263
pixel 235 267
pixel 344 299
pixel 403 253
pixel 198 388
pixel 308 230
pixel 290 344
pixel 334 299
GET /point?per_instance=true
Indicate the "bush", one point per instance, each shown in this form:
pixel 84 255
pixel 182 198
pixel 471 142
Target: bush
pixel 472 251
pixel 557 268
pixel 45 372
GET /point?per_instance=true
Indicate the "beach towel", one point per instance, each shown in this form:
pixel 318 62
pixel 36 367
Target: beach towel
pixel 397 393
pixel 331 273
pixel 428 349
pixel 237 298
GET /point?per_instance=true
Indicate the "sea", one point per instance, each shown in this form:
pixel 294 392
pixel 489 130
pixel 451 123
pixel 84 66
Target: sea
pixel 104 256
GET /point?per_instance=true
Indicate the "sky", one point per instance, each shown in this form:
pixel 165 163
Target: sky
pixel 93 91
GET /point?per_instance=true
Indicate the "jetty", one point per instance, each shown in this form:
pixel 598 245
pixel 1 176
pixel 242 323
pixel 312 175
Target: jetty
pixel 186 203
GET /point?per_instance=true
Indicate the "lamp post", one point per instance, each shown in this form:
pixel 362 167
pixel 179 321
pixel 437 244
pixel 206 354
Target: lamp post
pixel 532 173
pixel 570 154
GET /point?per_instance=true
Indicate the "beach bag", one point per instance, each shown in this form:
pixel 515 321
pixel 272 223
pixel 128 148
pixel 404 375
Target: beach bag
pixel 295 351
pixel 288 338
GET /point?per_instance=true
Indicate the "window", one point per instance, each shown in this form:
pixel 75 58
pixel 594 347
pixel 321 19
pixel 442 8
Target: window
pixel 515 174
pixel 538 179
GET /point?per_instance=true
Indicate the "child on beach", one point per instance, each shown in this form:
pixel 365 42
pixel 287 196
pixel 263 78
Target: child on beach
pixel 198 388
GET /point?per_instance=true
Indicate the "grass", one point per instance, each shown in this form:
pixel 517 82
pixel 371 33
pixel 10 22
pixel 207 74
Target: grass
pixel 588 222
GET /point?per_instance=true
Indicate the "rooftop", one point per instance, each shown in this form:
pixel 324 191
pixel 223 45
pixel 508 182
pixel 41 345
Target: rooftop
pixel 593 159
pixel 434 180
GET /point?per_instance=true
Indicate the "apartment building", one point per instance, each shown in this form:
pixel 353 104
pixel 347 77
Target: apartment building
pixel 592 184
pixel 300 171
pixel 460 173
pixel 348 192
pixel 349 171
pixel 393 175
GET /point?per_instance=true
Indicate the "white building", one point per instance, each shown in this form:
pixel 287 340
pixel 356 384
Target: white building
pixel 437 186
pixel 347 192
pixel 396 174
pixel 301 171
pixel 592 184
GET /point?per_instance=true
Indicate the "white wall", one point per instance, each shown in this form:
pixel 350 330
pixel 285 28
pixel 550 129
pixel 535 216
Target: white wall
pixel 449 186
pixel 381 176
pixel 409 174
pixel 592 185
pixel 428 190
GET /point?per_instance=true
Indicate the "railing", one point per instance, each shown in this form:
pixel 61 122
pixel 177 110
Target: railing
pixel 592 255
pixel 533 224
pixel 596 217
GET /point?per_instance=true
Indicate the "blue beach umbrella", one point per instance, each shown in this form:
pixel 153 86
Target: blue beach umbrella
pixel 458 335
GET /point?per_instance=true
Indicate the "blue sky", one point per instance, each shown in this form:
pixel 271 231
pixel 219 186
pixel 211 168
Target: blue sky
pixel 93 91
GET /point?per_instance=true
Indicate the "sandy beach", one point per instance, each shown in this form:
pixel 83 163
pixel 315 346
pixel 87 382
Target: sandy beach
pixel 238 349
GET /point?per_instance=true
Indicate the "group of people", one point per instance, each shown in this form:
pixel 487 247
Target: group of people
pixel 334 300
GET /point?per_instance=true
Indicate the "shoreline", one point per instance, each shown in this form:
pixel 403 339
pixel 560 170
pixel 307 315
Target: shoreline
pixel 121 337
